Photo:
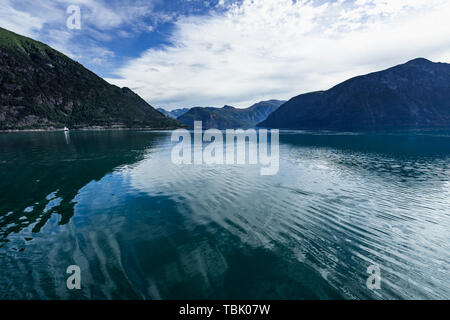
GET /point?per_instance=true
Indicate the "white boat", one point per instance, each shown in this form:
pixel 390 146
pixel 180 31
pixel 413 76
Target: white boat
pixel 66 129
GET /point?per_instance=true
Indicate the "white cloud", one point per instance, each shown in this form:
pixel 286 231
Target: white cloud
pixel 25 22
pixel 106 15
pixel 245 51
pixel 101 21
pixel 280 48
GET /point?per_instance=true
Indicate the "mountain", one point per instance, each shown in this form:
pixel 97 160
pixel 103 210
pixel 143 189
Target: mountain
pixel 173 113
pixel 413 95
pixel 230 117
pixel 41 88
pixel 210 117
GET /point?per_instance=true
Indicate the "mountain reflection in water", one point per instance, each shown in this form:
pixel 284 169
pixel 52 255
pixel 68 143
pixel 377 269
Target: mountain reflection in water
pixel 141 227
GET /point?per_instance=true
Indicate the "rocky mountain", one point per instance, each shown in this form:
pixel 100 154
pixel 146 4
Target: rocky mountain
pixel 229 117
pixel 173 113
pixel 41 88
pixel 413 95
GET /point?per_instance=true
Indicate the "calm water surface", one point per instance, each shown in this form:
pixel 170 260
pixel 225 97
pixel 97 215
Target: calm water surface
pixel 140 227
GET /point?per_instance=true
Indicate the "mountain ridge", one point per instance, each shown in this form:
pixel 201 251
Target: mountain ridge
pixel 412 95
pixel 229 117
pixel 41 88
pixel 173 113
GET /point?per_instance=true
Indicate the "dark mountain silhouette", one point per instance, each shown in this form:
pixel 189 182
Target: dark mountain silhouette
pixel 230 117
pixel 41 88
pixel 413 95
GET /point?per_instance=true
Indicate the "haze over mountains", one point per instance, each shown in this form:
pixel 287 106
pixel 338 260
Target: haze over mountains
pixel 41 88
pixel 230 117
pixel 173 113
pixel 413 95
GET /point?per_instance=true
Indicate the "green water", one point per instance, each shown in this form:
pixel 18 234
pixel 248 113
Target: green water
pixel 141 227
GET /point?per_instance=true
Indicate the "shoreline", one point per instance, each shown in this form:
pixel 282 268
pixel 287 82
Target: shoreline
pixel 323 131
pixel 89 129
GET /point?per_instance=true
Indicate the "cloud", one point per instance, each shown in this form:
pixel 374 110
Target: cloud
pixel 106 15
pixel 25 22
pixel 235 51
pixel 258 50
pixel 102 21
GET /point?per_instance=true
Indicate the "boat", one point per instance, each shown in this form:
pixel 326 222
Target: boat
pixel 66 129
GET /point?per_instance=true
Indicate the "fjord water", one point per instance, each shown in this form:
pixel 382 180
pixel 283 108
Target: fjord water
pixel 141 227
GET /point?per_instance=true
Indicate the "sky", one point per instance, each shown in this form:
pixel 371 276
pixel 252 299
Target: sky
pixel 185 53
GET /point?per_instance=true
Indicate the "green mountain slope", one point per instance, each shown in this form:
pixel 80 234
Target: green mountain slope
pixel 40 88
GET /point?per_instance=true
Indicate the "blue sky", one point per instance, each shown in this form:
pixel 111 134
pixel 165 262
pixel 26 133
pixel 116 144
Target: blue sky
pixel 184 53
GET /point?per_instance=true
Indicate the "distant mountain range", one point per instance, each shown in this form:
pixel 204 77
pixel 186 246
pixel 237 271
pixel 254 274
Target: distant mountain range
pixel 230 117
pixel 41 88
pixel 173 113
pixel 413 95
